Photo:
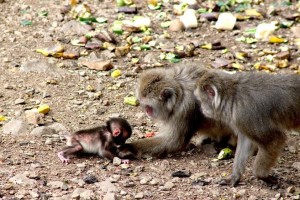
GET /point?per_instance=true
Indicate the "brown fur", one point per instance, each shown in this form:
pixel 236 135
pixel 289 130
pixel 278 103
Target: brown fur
pixel 102 140
pixel 166 94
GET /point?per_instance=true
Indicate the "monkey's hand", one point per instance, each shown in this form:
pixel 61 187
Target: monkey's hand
pixel 125 161
pixel 63 158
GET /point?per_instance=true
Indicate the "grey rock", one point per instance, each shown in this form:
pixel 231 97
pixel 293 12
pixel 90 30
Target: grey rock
pixel 49 141
pixel 55 184
pixel 34 194
pixel 42 130
pixel 168 186
pixel 110 196
pixel 21 194
pixel 154 181
pixel 74 27
pixel 151 58
pixel 291 189
pixel 139 195
pixel 241 193
pixel 114 178
pixel 34 117
pixel 80 193
pixel 15 127
pixel 117 161
pixel 81 165
pixel 252 197
pixel 80 182
pixel 39 66
pixel 107 186
pixel 296 31
pixel 296 165
pixel 19 101
pixel 57 127
pixel 22 179
pixel 220 63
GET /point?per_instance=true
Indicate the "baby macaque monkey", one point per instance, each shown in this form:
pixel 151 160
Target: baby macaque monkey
pixel 106 141
pixel 259 108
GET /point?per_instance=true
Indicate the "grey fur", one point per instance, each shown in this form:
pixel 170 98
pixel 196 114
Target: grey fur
pixel 259 107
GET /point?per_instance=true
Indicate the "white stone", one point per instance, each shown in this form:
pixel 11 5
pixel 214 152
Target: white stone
pixel 263 31
pixel 189 19
pixel 226 21
pixel 109 196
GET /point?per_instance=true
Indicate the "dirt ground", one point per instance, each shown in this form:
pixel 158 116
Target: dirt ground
pixel 80 97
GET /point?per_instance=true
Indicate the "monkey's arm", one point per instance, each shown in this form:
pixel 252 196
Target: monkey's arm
pixel 109 150
pixel 157 146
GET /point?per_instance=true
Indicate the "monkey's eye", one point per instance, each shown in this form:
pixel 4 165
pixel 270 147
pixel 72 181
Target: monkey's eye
pixel 166 93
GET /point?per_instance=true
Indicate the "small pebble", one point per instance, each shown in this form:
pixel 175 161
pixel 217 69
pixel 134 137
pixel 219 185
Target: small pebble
pixel 90 179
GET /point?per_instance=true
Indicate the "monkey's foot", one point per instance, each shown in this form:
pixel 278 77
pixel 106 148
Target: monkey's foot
pixel 233 181
pixel 62 158
pixel 225 181
pixel 125 161
pixel 272 180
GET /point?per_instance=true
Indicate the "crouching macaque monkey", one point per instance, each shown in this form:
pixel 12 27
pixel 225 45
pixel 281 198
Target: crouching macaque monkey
pixel 107 141
pixel 166 95
pixel 259 107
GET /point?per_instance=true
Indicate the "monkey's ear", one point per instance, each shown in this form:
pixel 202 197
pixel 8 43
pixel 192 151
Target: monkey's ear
pixel 166 93
pixel 209 90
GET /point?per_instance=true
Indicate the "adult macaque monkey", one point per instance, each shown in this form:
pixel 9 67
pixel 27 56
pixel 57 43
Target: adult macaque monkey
pixel 166 95
pixel 259 107
pixel 107 141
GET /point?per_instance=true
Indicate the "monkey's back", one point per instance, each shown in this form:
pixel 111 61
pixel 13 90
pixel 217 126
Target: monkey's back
pixel 266 99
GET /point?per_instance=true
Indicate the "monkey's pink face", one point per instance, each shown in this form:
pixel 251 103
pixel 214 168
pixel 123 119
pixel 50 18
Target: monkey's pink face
pixel 149 110
pixel 152 108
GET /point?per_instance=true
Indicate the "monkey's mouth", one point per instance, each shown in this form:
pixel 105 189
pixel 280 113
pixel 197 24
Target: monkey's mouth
pixel 149 111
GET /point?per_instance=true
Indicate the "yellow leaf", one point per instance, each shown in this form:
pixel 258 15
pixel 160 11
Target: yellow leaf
pixel 2 118
pixel 206 46
pixel 131 100
pixel 275 39
pixel 116 73
pixel 44 108
pixel 253 13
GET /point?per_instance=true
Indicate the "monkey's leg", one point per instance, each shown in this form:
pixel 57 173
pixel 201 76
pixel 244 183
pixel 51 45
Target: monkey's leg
pixel 245 148
pixel 64 154
pixel 267 157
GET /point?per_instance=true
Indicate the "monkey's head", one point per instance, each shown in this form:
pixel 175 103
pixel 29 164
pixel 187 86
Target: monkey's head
pixel 120 129
pixel 158 94
pixel 208 94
